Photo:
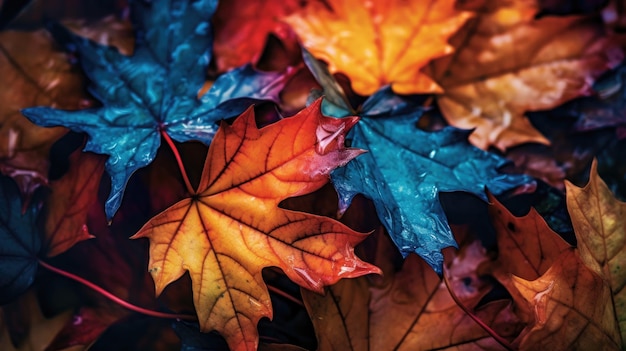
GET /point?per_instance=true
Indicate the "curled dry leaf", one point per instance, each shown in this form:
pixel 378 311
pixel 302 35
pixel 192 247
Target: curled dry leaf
pixel 378 43
pixel 35 74
pixel 232 228
pixel 599 221
pixel 507 63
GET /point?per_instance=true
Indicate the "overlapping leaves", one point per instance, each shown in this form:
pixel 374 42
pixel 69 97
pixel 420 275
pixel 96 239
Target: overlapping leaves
pixel 406 168
pixel 232 226
pixel 154 90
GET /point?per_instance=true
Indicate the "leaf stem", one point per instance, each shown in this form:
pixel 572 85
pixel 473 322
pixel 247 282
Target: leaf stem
pixel 114 298
pixel 502 341
pixel 285 295
pixel 179 160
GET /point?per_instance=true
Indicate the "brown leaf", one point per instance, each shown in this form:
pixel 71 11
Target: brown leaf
pixel 411 309
pixel 572 309
pixel 527 246
pixel 507 63
pixel 36 330
pixel 38 74
pixel 109 30
pixel 599 221
pixel 69 202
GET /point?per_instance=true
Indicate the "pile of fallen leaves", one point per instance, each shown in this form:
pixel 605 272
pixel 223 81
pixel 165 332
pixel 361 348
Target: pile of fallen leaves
pixel 312 175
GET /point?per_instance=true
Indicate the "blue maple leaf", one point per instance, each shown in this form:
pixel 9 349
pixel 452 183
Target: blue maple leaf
pixel 406 168
pixel 20 242
pixel 156 89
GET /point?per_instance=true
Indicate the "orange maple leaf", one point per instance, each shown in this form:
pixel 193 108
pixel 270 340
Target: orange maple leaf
pixel 380 42
pixel 232 227
pixel 507 63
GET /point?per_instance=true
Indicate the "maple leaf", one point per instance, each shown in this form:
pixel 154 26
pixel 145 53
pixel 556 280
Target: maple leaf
pixel 406 168
pixel 241 32
pixel 37 74
pixel 232 227
pixel 69 202
pixel 572 306
pixel 527 248
pixel 556 60
pixel 599 221
pixel 356 314
pixel 527 245
pixel 156 89
pixel 379 43
pixel 20 242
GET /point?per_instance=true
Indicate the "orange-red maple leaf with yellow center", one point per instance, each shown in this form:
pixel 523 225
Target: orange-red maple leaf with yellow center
pixel 380 42
pixel 232 227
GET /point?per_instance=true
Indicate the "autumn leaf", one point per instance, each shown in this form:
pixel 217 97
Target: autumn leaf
pixel 357 314
pixel 232 227
pixel 37 74
pixel 406 167
pixel 573 309
pixel 39 330
pixel 380 43
pixel 69 202
pixel 155 90
pixel 607 108
pixel 242 28
pixel 20 242
pixel 109 31
pixel 527 246
pixel 555 60
pixel 599 221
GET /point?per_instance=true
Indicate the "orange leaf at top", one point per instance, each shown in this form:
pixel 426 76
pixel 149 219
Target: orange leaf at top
pixel 232 227
pixel 380 42
pixel 507 62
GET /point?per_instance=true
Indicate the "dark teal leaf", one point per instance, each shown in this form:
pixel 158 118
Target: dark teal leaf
pixel 406 168
pixel 155 89
pixel 20 242
pixel 404 171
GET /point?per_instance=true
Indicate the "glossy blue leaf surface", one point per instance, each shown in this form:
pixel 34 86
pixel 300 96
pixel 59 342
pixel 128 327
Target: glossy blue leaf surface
pixel 20 242
pixel 155 89
pixel 406 168
pixel 404 171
